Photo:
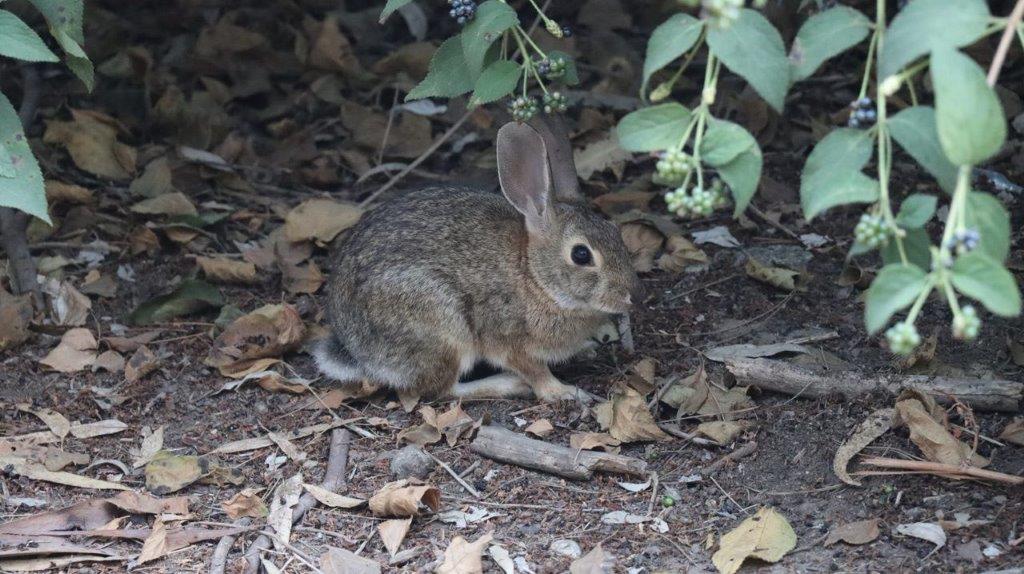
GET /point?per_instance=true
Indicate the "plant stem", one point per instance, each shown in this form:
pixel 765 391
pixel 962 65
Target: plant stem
pixel 1004 43
pixel 875 38
pixel 686 61
pixel 947 288
pixel 919 302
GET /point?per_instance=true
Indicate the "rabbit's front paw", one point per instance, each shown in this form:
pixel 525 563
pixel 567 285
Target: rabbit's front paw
pixel 554 391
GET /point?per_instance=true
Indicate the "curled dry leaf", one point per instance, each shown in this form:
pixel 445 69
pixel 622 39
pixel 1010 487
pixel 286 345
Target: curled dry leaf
pixel 223 270
pixel 600 155
pixel 320 219
pixel 68 307
pixel 287 447
pixel 937 443
pixel 151 445
pixel 450 424
pixel 35 471
pixel 627 418
pixel 1014 433
pixel 75 352
pixel 593 441
pixel 173 203
pixel 282 507
pixel 167 472
pixel 540 428
pixel 766 536
pixel 155 544
pixel 463 557
pixel 246 502
pixel 643 242
pixel 110 361
pixel 302 279
pixel 722 432
pixel 91 139
pixel 404 498
pixel 393 532
pixel 332 499
pixel 875 425
pixel 929 531
pixel 779 277
pixel 334 398
pixel 681 253
pixel 267 332
pixel 597 561
pixel 60 192
pixel 141 363
pixel 98 428
pixel 856 533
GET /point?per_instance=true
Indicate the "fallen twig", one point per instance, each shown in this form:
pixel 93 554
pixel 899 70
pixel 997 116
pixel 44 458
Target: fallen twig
pixel 506 446
pixel 742 452
pixel 951 470
pixel 334 478
pixel 469 488
pixel 680 433
pixel 784 377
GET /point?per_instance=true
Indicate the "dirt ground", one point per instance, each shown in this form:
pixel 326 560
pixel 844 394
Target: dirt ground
pixel 683 315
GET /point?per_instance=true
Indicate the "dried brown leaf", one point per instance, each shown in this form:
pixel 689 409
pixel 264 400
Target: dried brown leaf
pixel 597 561
pixel 332 499
pixel 282 508
pixel 221 270
pixel 856 533
pixel 155 546
pixel 627 418
pixel 245 503
pixel 151 445
pixel 58 424
pixel 91 139
pixel 320 219
pixel 267 332
pixel 60 192
pixel 643 242
pixel 393 532
pixel 540 428
pixel 936 443
pixel 463 557
pixel 1014 432
pixel 174 203
pixel 75 352
pixel 874 426
pixel 141 363
pixel 110 361
pixel 405 498
pixel 341 561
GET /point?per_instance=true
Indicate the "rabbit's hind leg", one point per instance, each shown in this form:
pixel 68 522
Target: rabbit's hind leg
pixel 335 361
pixel 500 386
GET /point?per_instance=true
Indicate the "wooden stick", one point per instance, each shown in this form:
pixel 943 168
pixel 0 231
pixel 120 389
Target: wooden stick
pixel 680 433
pixel 334 479
pixel 784 377
pixel 469 488
pixel 945 469
pixel 506 446
pixel 742 452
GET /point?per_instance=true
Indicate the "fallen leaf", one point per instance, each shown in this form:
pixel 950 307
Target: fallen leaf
pixel 245 502
pixel 287 447
pixel 131 344
pixel 99 284
pixel 502 558
pixel 725 404
pixel 636 486
pixel 91 139
pixel 98 428
pixel 332 499
pixel 320 219
pixel 34 471
pixel 875 425
pixel 15 315
pixel 393 532
pixel 643 242
pixel 1014 432
pixel 936 443
pixel 856 533
pixel 748 351
pixel 404 498
pixel 190 297
pixel 302 279
pixel 780 277
pixel 60 192
pixel 408 137
pixel 168 472
pixel 463 557
pixel 141 363
pixel 623 517
pixel 679 254
pixel 462 519
pixel 334 398
pixel 58 424
pixel 267 332
pixel 174 203
pixel 221 270
pixel 766 536
pixel 929 531
pixel 603 154
pixel 540 428
pixel 722 432
pixel 718 235
pixel 155 544
pixel 594 440
pixel 75 352
pixel 110 361
pixel 332 51
pixel 155 180
pixel 627 418
pixel 341 561
pixel 282 507
pixel 151 445
pixel 689 394
pixel 597 561
pixel 68 307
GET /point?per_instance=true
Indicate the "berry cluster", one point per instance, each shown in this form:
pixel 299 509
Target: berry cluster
pixel 699 202
pixel 555 103
pixel 462 10
pixel 552 68
pixel 967 324
pixel 523 108
pixel 903 338
pixel 673 165
pixel 862 113
pixel 871 231
pixel 722 12
pixel 965 240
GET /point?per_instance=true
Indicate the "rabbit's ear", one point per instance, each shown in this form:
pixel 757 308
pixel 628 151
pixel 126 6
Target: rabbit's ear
pixel 524 174
pixel 555 133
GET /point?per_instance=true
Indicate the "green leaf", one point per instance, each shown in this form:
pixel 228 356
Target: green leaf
pixel 654 128
pixel 191 296
pixel 742 175
pixel 753 48
pixel 926 25
pixel 571 76
pixel 916 210
pixel 826 35
pixel 497 81
pixel 723 142
pixel 669 41
pixel 21 182
pixel 447 75
pixel 918 246
pixel 492 18
pixel 986 214
pixel 895 288
pixel 19 41
pixel 969 117
pixel 984 279
pixel 65 20
pixel 914 129
pixel 390 8
pixel 832 174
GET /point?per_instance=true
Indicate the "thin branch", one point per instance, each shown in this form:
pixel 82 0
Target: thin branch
pixel 1004 43
pixel 951 470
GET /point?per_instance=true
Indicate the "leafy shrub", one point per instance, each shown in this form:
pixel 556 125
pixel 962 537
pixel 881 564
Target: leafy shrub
pixel 707 162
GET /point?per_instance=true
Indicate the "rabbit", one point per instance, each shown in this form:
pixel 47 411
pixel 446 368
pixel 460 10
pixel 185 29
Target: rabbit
pixel 429 284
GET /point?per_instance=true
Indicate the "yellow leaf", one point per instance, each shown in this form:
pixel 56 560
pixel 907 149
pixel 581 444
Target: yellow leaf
pixel 766 536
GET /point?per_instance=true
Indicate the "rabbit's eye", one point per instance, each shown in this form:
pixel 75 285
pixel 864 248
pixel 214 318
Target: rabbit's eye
pixel 581 255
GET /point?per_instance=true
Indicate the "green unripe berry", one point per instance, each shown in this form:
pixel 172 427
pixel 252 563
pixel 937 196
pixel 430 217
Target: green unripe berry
pixel 555 103
pixel 903 338
pixel 967 324
pixel 667 501
pixel 523 108
pixel 871 231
